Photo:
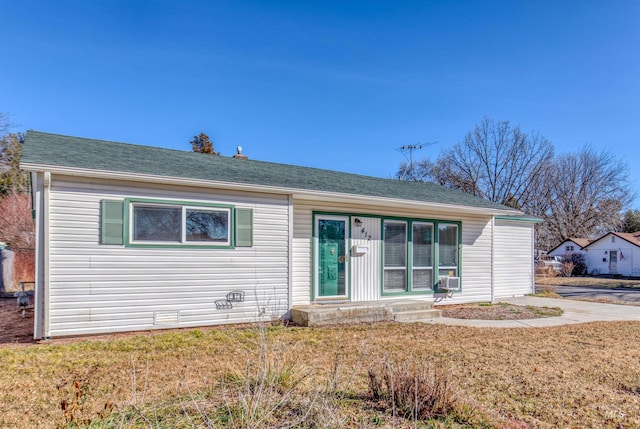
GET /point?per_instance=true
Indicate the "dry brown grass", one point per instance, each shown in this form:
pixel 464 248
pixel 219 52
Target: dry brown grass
pixel 499 311
pixel 570 376
pixel 587 282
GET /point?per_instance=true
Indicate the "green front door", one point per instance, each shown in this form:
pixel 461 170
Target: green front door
pixel 332 256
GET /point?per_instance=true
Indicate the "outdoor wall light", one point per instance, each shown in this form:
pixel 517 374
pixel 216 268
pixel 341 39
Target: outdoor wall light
pixel 357 222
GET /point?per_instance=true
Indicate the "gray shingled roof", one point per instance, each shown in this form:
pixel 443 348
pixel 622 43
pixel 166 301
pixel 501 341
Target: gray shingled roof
pixel 64 151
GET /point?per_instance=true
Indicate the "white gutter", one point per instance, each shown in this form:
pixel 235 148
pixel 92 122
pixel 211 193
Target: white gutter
pixel 297 193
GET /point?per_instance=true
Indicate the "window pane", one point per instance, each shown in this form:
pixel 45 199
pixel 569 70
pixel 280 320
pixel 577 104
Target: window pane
pixel 156 223
pixel 448 245
pixel 395 255
pixel 422 244
pixel 395 244
pixel 207 225
pixel 422 279
pixel 395 280
pixel 451 272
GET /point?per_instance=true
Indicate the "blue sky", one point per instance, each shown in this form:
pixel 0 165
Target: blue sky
pixel 329 84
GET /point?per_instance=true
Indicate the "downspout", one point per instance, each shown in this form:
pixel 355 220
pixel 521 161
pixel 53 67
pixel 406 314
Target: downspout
pixel 36 209
pixel 533 258
pixel 493 259
pixel 45 253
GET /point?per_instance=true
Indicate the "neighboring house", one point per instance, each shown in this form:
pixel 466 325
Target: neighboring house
pixel 133 238
pixel 614 253
pixel 569 246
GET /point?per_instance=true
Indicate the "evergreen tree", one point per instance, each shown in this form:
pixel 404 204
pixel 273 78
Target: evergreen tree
pixel 202 144
pixel 631 221
pixel 11 177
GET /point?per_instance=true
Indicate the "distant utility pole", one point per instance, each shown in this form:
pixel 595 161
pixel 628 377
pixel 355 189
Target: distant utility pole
pixel 410 148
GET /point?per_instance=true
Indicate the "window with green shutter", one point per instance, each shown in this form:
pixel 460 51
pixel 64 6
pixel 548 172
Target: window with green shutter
pixel 112 222
pixel 145 222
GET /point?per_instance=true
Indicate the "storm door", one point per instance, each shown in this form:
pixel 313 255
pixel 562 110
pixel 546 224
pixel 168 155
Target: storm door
pixel 613 261
pixel 332 256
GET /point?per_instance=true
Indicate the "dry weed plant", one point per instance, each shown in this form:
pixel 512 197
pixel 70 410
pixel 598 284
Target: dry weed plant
pixel 266 391
pixel 75 392
pixel 416 391
pixel 567 269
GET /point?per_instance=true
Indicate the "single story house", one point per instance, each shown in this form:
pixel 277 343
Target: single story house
pixel 615 253
pixel 134 238
pixel 569 246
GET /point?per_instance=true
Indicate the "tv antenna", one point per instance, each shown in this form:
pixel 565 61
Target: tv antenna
pixel 410 148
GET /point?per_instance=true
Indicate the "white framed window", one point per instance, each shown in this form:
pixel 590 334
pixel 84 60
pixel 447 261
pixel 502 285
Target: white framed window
pixel 172 224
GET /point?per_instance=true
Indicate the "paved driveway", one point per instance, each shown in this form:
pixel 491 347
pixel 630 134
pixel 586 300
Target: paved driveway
pixel 617 294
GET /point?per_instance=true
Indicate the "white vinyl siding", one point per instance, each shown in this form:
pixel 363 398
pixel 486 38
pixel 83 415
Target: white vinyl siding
pixel 513 265
pixel 365 266
pixel 97 288
pixel 301 263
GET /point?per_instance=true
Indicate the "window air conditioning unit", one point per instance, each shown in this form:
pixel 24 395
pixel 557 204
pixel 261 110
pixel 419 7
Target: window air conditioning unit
pixel 449 283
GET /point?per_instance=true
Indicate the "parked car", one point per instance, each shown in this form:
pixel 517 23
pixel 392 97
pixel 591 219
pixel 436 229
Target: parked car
pixel 549 264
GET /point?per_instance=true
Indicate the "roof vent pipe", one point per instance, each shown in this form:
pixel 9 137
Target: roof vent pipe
pixel 239 155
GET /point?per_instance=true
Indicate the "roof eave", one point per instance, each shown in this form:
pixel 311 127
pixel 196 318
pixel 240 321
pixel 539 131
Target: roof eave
pixel 297 193
pixel 611 233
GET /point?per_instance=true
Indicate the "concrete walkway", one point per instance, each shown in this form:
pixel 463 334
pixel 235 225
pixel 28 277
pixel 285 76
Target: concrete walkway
pixel 619 294
pixel 574 312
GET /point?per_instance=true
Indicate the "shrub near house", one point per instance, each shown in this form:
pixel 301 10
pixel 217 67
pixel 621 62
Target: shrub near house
pixel 17 231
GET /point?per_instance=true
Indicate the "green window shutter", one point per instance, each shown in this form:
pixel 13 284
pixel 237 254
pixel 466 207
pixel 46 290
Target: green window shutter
pixel 244 227
pixel 112 222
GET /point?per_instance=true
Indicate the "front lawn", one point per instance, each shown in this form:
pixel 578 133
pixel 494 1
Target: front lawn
pixel 599 282
pixel 570 376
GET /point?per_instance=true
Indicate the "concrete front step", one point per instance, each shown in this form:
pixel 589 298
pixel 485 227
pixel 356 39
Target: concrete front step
pixel 402 306
pixel 362 312
pixel 412 316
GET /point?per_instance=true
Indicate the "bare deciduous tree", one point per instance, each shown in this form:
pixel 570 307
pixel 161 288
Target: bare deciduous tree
pixel 5 123
pixel 17 226
pixel 419 171
pixel 577 195
pixel 495 161
pixel 589 190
